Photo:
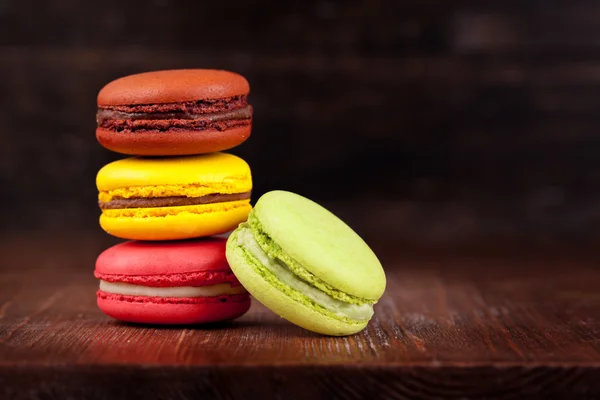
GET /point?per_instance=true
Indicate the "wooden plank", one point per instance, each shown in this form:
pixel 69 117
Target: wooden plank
pixel 511 323
pixel 326 382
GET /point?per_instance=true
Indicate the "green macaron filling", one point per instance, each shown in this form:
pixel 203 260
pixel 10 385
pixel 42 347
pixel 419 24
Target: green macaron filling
pixel 294 280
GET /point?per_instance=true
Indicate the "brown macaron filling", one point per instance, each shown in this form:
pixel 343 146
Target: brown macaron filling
pixel 170 201
pixel 218 114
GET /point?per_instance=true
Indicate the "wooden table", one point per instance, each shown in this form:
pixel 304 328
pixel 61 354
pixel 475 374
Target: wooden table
pixel 488 324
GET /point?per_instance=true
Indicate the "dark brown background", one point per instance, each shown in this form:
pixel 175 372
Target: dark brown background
pixel 433 120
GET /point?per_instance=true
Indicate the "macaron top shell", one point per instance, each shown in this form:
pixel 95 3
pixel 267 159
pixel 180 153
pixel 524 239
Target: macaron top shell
pixel 173 86
pixel 138 258
pixel 210 169
pixel 322 243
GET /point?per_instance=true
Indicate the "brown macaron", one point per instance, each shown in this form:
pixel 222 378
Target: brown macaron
pixel 176 112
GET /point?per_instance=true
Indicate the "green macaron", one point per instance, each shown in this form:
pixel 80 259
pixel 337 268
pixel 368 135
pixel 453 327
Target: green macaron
pixel 306 265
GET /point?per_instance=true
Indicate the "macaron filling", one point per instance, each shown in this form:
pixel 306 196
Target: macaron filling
pixel 217 114
pixel 294 280
pixel 106 115
pixel 118 202
pixel 128 289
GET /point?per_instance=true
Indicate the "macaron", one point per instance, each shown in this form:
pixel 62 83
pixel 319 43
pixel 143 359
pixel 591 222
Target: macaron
pixel 182 282
pixel 306 265
pixel 170 198
pixel 175 112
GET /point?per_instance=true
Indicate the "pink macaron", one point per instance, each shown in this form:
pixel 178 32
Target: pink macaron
pixel 176 282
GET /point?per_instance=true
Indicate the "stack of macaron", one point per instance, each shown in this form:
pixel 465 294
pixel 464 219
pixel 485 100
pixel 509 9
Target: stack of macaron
pixel 174 196
pixel 179 192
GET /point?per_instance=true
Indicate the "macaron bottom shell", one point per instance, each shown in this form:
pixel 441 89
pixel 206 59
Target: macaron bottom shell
pixel 173 223
pixel 171 311
pixel 280 299
pixel 181 142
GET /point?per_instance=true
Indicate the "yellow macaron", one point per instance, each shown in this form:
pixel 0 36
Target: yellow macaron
pixel 156 198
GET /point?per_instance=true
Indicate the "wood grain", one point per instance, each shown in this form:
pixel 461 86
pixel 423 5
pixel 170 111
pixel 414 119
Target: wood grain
pixel 499 324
